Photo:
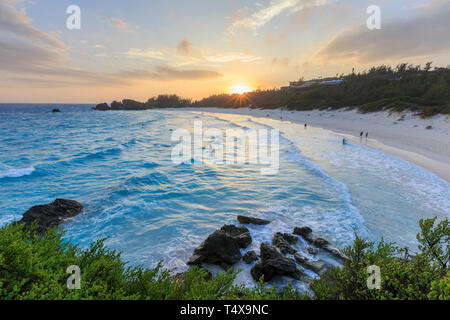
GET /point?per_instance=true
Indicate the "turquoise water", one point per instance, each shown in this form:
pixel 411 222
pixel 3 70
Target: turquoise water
pixel 118 165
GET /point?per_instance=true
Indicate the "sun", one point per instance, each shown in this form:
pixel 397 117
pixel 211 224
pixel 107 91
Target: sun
pixel 240 88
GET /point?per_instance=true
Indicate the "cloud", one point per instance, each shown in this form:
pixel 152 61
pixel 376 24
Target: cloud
pixel 17 55
pixel 121 24
pixel 187 54
pixel 150 54
pixel 401 38
pixel 233 57
pixel 265 14
pixel 185 47
pixel 29 57
pixel 18 23
pixel 169 73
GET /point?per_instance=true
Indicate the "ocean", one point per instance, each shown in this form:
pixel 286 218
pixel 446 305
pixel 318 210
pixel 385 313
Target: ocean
pixel 118 165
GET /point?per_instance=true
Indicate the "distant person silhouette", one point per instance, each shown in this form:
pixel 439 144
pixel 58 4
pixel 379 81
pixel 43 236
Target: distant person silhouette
pixel 361 134
pixel 344 141
pixel 306 125
pixel 367 134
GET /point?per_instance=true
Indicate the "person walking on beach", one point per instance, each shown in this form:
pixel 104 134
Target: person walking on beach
pixel 306 125
pixel 361 134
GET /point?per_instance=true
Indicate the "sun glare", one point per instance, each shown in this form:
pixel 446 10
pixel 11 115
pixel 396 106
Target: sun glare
pixel 240 88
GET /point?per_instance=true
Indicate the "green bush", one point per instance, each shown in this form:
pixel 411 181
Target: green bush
pixel 34 267
pixel 424 276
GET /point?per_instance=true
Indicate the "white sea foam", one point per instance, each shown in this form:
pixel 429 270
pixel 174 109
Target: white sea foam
pixel 16 173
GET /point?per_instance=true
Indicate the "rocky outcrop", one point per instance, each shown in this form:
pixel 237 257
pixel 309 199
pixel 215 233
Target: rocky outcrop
pixel 305 233
pixel 251 220
pixel 239 234
pixel 51 215
pixel 290 238
pixel 102 107
pixel 126 104
pixel 250 257
pixel 222 247
pixel 280 242
pixel 273 263
pixel 129 104
pixel 116 105
pixel 316 266
pixel 56 110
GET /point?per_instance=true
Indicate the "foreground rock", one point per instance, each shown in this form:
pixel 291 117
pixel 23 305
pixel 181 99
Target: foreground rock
pixel 280 242
pixel 273 263
pixel 305 233
pixel 51 215
pixel 251 220
pixel 250 257
pixel 222 247
pixel 316 266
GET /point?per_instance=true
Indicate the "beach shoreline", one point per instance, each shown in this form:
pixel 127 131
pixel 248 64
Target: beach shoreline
pixel 403 135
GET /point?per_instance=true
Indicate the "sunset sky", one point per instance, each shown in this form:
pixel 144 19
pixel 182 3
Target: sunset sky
pixel 140 48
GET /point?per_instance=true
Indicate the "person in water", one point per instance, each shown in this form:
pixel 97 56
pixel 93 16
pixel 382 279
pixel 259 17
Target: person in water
pixel 344 141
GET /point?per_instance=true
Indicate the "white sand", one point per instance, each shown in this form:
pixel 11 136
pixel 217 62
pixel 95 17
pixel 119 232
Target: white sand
pixel 407 139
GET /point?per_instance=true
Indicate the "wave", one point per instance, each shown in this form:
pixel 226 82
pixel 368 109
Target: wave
pixel 16 173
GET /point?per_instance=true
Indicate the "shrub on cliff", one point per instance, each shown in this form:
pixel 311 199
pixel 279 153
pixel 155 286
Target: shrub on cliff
pixel 424 276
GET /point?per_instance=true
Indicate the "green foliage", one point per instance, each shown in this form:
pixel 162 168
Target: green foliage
pixel 424 276
pixel 34 267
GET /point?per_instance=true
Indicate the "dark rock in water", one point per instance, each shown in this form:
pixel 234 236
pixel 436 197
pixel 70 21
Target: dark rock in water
pixel 303 231
pixel 282 244
pixel 222 247
pixel 51 215
pixel 335 252
pixel 274 263
pixel 240 234
pixel 102 107
pixel 251 220
pixel 116 105
pixel 269 252
pixel 316 266
pixel 249 257
pixel 56 110
pixel 311 250
pixel 290 238
pixel 320 242
pixel 129 104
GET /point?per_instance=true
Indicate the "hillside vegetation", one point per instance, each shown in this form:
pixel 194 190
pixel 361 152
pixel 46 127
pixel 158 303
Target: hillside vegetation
pixel 405 87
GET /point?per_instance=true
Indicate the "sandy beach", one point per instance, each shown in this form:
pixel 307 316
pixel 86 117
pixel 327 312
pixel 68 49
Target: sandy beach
pixel 403 135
